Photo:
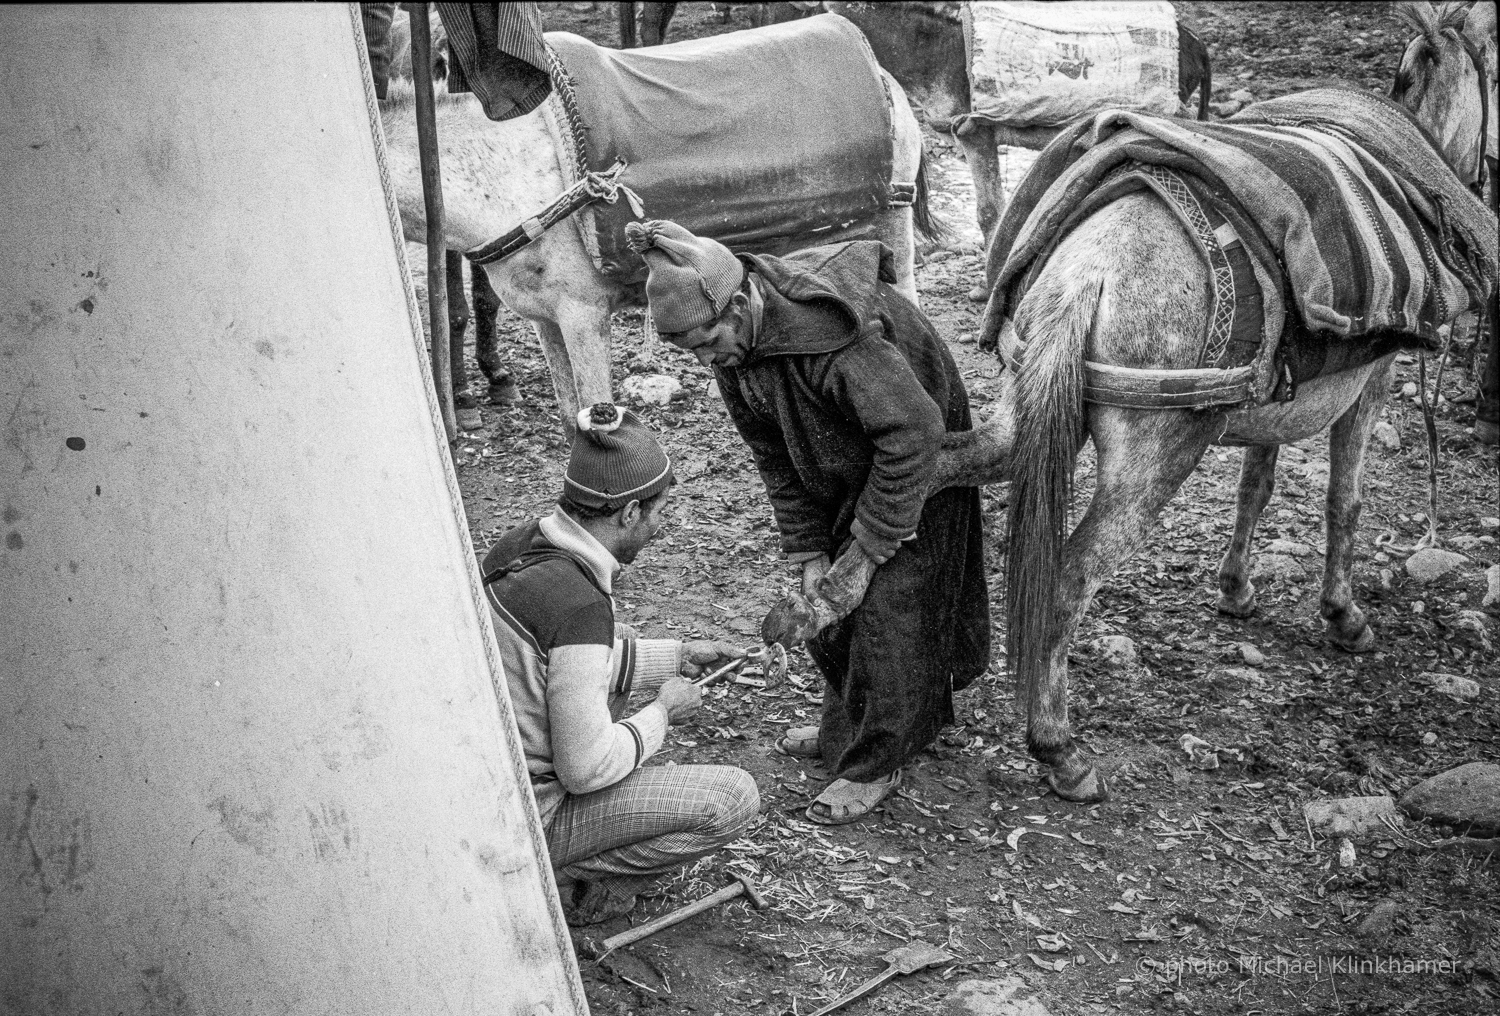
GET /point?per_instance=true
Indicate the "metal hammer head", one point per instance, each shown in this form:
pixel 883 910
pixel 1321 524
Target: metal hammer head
pixel 751 893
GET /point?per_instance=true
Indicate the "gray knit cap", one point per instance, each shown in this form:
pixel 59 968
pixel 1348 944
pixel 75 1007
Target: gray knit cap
pixel 692 278
pixel 615 460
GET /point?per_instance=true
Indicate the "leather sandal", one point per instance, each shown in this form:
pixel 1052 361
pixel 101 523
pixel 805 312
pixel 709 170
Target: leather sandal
pixel 844 801
pixel 800 742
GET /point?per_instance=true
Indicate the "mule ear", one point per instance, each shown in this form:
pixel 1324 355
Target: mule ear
pixel 1479 29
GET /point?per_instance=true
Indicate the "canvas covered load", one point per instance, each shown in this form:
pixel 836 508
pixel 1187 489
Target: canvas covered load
pixel 760 139
pixel 1042 65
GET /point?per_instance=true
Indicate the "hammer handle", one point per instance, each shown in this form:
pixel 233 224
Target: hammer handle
pixel 650 928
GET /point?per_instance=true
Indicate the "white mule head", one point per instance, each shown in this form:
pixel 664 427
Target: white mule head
pixel 1442 82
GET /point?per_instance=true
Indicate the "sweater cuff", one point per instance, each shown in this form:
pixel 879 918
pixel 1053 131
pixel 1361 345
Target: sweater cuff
pixel 656 660
pixel 883 529
pixel 805 544
pixel 650 726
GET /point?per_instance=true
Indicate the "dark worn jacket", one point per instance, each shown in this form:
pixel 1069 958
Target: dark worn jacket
pixel 845 396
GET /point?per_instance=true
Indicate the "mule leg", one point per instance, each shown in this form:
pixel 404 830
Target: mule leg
pixel 560 366
pixel 1348 439
pixel 577 351
pixel 458 319
pixel 983 156
pixel 1487 414
pixel 655 17
pixel 1144 456
pixel 626 12
pixel 1257 480
pixel 503 390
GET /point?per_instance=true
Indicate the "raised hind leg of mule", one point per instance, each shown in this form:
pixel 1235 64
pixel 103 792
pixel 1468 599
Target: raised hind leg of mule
pixel 1144 457
pixel 1257 479
pixel 1348 439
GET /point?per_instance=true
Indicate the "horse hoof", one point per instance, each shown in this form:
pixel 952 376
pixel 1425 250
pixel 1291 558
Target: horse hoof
pixel 1237 608
pixel 791 622
pixel 1487 432
pixel 979 294
pixel 504 393
pixel 1090 788
pixel 1362 642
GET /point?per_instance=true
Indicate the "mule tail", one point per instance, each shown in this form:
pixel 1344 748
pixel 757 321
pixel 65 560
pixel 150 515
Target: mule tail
pixel 929 226
pixel 1049 424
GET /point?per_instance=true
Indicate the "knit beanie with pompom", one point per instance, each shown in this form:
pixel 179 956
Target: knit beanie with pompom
pixel 615 460
pixel 691 277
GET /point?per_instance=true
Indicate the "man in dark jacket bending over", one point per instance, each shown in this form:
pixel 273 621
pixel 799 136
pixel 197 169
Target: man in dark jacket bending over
pixel 843 390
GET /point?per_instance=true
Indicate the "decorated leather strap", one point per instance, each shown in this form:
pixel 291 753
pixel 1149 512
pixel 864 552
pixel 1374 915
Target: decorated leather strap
pixel 592 187
pixel 1146 388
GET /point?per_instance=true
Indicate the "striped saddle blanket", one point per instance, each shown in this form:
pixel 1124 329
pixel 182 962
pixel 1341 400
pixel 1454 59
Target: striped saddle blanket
pixel 1337 195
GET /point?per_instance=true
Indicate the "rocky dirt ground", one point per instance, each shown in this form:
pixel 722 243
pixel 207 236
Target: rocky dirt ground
pixel 1198 888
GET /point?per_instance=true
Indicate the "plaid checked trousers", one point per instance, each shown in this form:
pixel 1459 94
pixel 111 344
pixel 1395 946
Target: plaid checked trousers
pixel 654 820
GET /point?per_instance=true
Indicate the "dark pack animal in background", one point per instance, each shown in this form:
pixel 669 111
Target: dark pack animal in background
pixel 1193 71
pixel 922 45
pixel 654 19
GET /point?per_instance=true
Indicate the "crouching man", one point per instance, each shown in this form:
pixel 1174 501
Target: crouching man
pixel 612 823
pixel 843 390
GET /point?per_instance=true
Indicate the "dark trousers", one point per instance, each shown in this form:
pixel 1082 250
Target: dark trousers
pixel 922 633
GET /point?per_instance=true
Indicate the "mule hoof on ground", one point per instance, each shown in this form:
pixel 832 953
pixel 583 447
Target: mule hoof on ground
pixel 1362 642
pixel 1486 432
pixel 979 294
pixel 1090 788
pixel 504 393
pixel 1237 608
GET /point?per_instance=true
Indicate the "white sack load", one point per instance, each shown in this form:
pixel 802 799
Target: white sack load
pixel 1041 65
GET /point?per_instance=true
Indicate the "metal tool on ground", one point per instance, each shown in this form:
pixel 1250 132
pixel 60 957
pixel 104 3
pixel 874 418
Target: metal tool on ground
pixel 771 659
pixel 911 957
pixel 741 887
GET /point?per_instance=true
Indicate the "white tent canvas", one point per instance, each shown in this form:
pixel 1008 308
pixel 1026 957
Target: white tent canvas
pixel 252 755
